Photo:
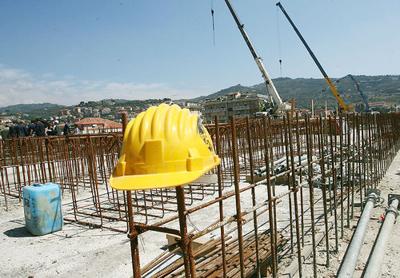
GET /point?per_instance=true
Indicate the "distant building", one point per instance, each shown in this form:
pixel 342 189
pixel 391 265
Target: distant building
pixel 237 104
pixel 87 111
pixel 96 113
pixel 65 112
pixel 382 104
pixel 191 105
pixel 98 125
pixel 7 119
pixel 105 111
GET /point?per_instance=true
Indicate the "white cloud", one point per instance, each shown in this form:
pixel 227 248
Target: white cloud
pixel 18 86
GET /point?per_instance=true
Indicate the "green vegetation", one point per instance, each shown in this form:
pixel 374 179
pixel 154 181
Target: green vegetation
pixel 377 88
pixel 32 111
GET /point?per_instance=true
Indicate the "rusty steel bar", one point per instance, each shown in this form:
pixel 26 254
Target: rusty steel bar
pixel 285 130
pixel 332 132
pixel 354 150
pixel 310 145
pixel 221 202
pixel 253 196
pixel 185 242
pixel 295 190
pixel 299 155
pixel 132 229
pixel 237 196
pixel 271 202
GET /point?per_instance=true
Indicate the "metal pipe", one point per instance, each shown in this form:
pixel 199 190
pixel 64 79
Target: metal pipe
pixel 350 259
pixel 378 252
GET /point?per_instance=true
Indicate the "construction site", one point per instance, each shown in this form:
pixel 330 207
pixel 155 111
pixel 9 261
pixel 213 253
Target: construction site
pixel 282 200
pixel 277 193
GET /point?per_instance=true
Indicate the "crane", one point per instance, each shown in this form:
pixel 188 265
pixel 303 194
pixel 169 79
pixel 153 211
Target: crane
pixel 357 86
pixel 363 96
pixel 342 104
pixel 280 106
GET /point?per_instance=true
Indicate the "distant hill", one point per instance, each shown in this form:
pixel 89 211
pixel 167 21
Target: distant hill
pixel 28 108
pixel 377 88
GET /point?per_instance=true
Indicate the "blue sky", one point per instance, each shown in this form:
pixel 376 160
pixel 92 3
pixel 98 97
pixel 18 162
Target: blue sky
pixel 67 51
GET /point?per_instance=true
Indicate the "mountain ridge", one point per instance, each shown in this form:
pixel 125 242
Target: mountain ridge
pixel 376 88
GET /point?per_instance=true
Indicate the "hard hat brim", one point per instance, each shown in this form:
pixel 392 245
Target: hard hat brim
pixel 154 181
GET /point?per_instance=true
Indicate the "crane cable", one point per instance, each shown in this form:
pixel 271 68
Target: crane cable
pixel 213 20
pixel 279 41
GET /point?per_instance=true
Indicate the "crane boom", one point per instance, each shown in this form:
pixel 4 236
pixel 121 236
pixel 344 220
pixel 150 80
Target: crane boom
pixel 363 96
pixel 268 81
pixel 342 104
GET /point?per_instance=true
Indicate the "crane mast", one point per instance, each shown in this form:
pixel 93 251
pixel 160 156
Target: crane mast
pixel 342 104
pixel 268 81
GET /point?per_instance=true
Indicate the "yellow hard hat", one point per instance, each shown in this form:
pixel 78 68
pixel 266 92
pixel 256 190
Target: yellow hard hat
pixel 163 146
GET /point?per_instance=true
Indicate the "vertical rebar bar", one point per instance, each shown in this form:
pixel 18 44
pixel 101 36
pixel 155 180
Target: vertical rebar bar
pixel 295 190
pixel 220 203
pixel 237 195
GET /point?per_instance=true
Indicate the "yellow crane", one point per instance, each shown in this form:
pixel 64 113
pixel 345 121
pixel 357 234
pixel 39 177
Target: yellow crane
pixel 342 104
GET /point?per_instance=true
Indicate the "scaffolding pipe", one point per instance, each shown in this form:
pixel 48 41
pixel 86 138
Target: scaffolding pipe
pixel 350 259
pixel 378 253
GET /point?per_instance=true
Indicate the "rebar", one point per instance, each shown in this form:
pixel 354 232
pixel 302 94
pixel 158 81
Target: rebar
pixel 280 185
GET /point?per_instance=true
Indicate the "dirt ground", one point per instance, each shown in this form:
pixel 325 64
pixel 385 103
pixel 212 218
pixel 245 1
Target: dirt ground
pixel 78 251
pixel 75 251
